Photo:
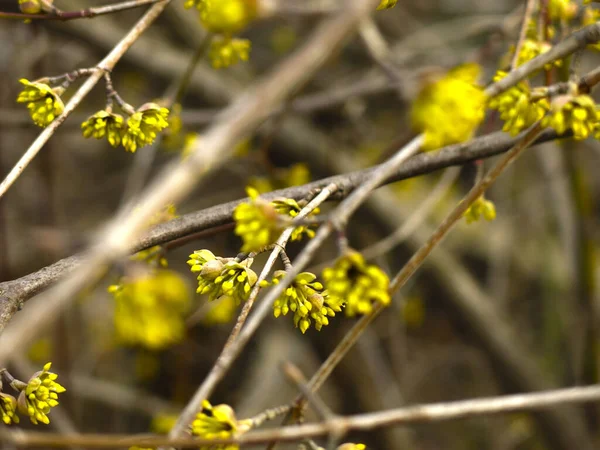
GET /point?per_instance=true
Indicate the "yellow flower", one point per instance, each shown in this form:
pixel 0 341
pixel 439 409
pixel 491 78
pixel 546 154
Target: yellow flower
pixel 40 395
pixel 516 107
pixel 357 285
pixel 30 6
pixel 449 110
pixel 257 222
pixel 226 51
pixel 350 446
pixel 218 422
pixel 224 16
pixel 306 299
pixel 143 126
pixel 591 16
pixel 578 113
pixel 562 10
pixel 104 123
pixel 386 4
pixel 295 175
pixel 289 207
pixel 149 309
pixel 162 423
pixel 220 311
pixel 480 208
pixel 8 409
pixel 43 102
pixel 222 277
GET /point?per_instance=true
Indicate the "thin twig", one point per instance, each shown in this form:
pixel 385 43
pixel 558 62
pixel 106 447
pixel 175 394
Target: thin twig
pixel 87 13
pixel 106 65
pixel 529 8
pixel 429 413
pixel 236 341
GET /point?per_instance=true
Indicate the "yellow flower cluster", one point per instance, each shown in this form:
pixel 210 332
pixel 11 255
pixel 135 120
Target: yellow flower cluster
pixel 290 207
pixel 578 113
pixel 350 446
pixel 449 110
pixel 222 277
pixel 306 299
pixel 143 125
pixel 39 395
pixel 257 222
pixel 30 6
pixel 357 285
pixel 8 409
pixel 386 4
pixel 104 123
pixel 149 309
pixel 218 422
pixel 225 18
pixel 226 51
pixel 43 102
pixel 480 208
pixel 139 130
pixel 516 108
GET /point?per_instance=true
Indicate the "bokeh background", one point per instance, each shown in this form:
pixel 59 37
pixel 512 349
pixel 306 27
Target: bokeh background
pixel 532 270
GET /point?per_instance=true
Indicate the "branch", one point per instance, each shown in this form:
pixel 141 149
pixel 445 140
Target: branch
pixel 429 413
pixel 178 178
pixel 106 65
pixel 14 293
pixel 88 13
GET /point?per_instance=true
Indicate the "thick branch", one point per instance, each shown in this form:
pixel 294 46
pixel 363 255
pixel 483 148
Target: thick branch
pixel 13 293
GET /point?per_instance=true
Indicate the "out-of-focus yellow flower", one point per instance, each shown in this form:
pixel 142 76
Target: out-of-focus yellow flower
pixel 43 102
pixel 162 423
pixel 386 4
pixel 289 207
pixel 516 107
pixel 30 6
pixel 257 222
pixel 449 110
pixel 357 285
pixel 295 175
pixel 104 123
pixel 578 113
pixel 413 311
pixel 350 446
pixel 226 51
pixel 224 16
pixel 564 10
pixel 149 309
pixel 144 125
pixel 306 299
pixel 591 16
pixel 218 422
pixel 174 138
pixel 480 208
pixel 40 395
pixel 8 409
pixel 220 311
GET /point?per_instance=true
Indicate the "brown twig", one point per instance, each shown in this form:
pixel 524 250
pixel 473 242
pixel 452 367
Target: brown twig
pixel 87 13
pixel 429 413
pixel 106 65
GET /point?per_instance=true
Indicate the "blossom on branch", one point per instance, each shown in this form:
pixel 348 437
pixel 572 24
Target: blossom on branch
pixel 43 102
pixel 449 110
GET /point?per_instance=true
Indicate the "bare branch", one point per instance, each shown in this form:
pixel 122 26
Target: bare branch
pixel 429 413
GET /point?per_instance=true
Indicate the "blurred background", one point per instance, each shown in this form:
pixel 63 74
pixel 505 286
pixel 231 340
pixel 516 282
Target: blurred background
pixel 496 300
